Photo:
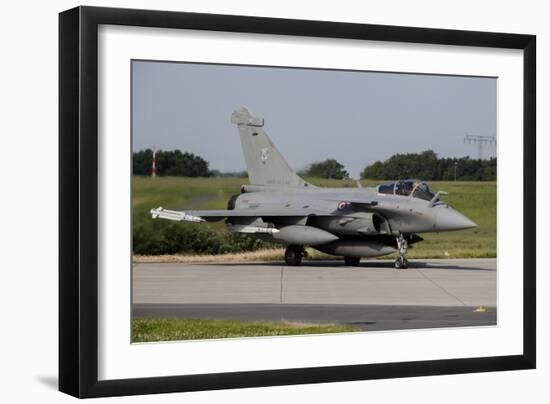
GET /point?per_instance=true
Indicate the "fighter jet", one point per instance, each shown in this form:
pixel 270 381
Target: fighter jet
pixel 279 206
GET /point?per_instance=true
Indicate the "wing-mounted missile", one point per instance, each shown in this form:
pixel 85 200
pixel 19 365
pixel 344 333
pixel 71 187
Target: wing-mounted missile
pixel 175 215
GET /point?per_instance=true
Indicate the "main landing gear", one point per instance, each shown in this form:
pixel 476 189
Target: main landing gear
pixel 294 254
pixel 352 261
pixel 402 244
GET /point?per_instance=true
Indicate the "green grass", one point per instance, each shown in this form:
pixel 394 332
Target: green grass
pixel 477 200
pixel 176 192
pixel 162 329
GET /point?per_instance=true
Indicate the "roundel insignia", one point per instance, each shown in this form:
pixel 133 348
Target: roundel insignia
pixel 342 205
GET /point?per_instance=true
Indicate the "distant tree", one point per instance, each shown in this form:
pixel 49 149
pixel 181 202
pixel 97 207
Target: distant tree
pixel 233 174
pixel 490 169
pixel 427 166
pixel 174 163
pixel 329 168
pixel 142 162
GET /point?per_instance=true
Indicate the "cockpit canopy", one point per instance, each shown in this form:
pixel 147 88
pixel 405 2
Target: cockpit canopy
pixel 417 188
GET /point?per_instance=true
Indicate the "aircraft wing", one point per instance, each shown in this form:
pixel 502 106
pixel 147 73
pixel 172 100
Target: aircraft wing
pixel 215 215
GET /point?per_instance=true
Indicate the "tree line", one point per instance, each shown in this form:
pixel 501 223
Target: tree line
pixel 170 163
pixel 329 168
pixel 177 163
pixel 428 166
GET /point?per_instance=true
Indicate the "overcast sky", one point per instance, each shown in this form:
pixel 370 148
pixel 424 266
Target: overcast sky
pixel 310 115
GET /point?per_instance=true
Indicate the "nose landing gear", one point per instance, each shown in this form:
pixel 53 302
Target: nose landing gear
pixel 402 245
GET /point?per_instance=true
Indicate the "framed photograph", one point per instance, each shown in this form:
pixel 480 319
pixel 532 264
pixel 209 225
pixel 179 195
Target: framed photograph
pixel 250 201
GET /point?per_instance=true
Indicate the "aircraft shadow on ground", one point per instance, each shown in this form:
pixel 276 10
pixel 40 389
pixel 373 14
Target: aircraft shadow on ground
pixel 413 264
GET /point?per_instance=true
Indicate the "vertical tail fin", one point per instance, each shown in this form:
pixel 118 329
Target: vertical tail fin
pixel 265 164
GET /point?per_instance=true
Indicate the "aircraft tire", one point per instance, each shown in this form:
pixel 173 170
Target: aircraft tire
pixel 401 263
pixel 293 255
pixel 352 261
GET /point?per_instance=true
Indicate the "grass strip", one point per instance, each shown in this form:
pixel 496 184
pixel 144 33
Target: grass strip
pixel 178 329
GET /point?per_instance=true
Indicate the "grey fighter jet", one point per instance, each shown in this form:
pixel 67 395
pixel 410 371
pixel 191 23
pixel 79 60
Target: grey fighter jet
pixel 281 207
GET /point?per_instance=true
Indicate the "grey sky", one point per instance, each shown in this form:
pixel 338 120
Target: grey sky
pixel 354 117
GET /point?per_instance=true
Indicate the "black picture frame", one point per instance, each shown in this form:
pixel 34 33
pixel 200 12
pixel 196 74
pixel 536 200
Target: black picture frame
pixel 78 201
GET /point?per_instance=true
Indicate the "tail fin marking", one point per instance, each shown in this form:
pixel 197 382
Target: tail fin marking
pixel 264 163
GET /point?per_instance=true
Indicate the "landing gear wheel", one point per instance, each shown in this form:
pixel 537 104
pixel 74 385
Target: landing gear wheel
pixel 293 255
pixel 401 263
pixel 352 261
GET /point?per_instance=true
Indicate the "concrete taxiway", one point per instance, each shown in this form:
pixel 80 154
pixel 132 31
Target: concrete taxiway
pixel 467 282
pixel 373 296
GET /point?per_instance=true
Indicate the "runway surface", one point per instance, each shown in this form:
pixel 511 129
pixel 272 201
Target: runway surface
pixel 431 293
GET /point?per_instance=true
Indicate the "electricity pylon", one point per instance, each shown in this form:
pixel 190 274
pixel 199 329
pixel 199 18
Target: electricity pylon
pixel 480 141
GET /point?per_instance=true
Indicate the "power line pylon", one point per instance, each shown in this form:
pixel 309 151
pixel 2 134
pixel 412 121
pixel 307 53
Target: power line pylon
pixel 480 141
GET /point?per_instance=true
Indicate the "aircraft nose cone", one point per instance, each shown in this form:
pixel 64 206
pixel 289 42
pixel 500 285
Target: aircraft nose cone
pixel 450 219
